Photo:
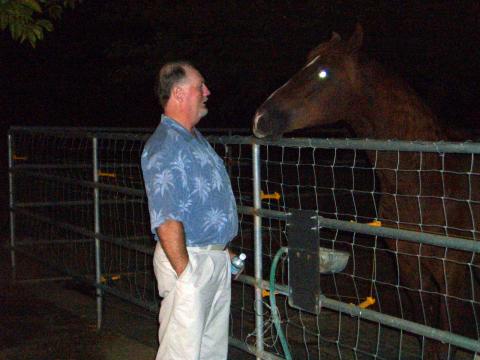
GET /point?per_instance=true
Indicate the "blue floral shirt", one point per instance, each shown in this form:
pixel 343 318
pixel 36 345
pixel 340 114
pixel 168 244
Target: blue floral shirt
pixel 186 180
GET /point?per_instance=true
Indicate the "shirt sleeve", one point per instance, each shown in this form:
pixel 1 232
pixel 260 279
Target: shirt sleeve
pixel 164 190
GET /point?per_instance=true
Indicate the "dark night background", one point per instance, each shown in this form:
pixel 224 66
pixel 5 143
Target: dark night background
pixel 97 67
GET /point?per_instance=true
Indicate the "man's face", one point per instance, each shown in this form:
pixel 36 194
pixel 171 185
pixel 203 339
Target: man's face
pixel 196 95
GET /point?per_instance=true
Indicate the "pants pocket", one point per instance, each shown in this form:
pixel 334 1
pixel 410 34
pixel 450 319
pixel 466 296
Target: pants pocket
pixel 187 272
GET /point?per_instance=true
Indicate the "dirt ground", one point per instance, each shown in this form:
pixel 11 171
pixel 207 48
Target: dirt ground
pixel 56 320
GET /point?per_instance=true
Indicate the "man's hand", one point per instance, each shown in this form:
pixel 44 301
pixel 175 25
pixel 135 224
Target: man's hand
pixel 172 239
pixel 231 253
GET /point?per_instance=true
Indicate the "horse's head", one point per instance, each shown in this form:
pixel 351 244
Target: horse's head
pixel 320 93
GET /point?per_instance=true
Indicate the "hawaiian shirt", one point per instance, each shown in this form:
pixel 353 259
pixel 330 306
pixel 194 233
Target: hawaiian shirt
pixel 186 181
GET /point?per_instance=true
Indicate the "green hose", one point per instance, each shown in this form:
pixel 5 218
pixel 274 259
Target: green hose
pixel 273 305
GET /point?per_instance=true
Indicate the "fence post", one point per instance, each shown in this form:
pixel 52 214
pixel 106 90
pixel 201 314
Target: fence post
pixel 257 226
pixel 96 205
pixel 11 200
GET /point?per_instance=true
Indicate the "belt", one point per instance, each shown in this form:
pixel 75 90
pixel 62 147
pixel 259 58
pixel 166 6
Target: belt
pixel 217 247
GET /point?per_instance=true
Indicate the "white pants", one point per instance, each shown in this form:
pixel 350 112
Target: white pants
pixel 194 313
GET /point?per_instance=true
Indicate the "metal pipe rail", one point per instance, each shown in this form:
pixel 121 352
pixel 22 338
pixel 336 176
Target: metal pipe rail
pixel 52 166
pixel 271 214
pixel 123 242
pixel 152 306
pixel 88 166
pixel 407 235
pixel 11 204
pixel 354 144
pixel 84 277
pixel 358 144
pixel 74 228
pixel 136 134
pixel 61 129
pixel 467 147
pixel 86 183
pixel 50 242
pixel 72 203
pixel 388 320
pixel 410 326
pixel 252 350
pixel 398 234
pixel 258 244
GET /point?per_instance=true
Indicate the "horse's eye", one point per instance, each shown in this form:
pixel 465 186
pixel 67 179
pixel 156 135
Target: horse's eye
pixel 323 74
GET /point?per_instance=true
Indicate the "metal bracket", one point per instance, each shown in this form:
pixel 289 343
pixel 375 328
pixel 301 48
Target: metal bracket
pixel 307 260
pixel 303 261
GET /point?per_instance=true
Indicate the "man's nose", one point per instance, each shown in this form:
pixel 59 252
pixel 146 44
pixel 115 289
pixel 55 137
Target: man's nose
pixel 206 92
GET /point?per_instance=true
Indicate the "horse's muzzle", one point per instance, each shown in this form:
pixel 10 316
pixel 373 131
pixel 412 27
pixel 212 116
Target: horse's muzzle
pixel 270 122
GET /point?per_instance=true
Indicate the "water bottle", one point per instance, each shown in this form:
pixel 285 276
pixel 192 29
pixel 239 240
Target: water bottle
pixel 238 264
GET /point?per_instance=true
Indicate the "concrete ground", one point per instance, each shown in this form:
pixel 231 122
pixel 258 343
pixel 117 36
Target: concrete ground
pixel 56 320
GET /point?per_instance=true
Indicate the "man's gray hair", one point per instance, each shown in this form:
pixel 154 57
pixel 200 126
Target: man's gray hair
pixel 169 75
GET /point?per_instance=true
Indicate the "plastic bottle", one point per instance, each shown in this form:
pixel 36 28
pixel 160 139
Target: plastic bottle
pixel 238 264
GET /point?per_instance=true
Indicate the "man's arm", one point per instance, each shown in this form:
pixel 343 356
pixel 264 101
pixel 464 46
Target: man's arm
pixel 172 239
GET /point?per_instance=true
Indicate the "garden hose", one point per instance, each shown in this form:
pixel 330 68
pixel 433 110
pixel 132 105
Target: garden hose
pixel 273 306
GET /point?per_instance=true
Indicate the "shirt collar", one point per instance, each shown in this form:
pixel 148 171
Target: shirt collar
pixel 171 123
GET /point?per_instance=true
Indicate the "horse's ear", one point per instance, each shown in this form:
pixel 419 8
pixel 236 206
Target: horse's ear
pixel 356 40
pixel 335 37
pixel 325 45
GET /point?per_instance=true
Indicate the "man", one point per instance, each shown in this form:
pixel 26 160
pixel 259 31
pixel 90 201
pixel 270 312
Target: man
pixel 193 217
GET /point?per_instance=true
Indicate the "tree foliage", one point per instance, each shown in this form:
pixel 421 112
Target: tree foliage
pixel 30 19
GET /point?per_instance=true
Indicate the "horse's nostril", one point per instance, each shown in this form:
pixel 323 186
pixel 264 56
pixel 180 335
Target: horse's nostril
pixel 258 133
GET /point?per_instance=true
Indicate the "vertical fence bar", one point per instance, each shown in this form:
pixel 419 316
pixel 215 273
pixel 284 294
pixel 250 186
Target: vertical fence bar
pixel 11 200
pixel 257 225
pixel 96 205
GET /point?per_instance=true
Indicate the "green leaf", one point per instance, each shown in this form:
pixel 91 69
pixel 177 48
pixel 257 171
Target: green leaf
pixel 70 3
pixel 22 19
pixel 32 4
pixel 32 38
pixel 14 30
pixel 37 30
pixel 47 25
pixel 3 21
pixel 55 11
pixel 12 9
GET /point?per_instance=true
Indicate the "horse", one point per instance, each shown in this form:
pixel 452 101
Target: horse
pixel 339 83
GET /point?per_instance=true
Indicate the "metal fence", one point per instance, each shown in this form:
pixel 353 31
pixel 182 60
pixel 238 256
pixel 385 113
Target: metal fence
pixel 406 213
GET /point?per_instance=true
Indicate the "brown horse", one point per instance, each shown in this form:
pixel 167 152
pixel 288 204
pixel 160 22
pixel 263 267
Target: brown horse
pixel 420 191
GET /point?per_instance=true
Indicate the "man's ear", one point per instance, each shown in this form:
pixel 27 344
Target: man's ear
pixel 178 93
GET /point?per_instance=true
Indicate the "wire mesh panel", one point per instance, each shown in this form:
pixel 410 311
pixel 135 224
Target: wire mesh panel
pixel 430 192
pixel 238 162
pixel 55 211
pixel 428 189
pixel 126 241
pixel 59 210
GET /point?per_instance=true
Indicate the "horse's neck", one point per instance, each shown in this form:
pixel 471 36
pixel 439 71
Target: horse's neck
pixel 392 110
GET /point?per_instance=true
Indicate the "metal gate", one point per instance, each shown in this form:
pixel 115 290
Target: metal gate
pixel 77 203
